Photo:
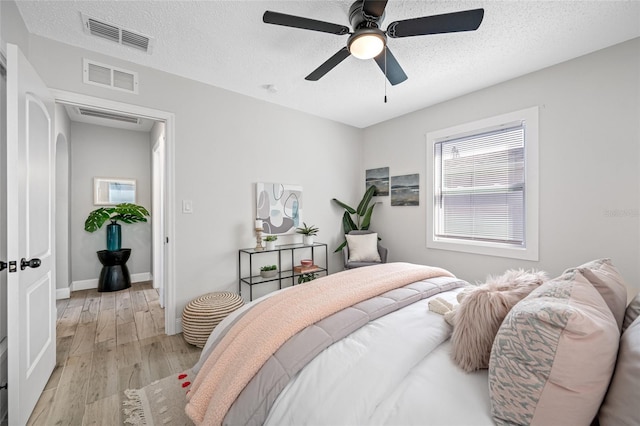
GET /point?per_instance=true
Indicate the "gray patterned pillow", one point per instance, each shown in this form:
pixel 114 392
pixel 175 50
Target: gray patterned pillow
pixel 553 357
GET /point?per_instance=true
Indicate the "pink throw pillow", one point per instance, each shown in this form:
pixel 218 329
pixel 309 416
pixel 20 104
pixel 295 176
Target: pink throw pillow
pixel 481 312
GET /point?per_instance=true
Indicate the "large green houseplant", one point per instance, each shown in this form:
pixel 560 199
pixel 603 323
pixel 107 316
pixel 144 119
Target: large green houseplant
pixel 125 213
pixel 362 215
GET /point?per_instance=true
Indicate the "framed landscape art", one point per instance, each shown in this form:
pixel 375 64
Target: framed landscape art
pixel 405 190
pixel 380 178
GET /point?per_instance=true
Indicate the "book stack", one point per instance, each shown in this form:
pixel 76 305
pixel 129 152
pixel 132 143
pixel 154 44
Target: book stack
pixel 304 269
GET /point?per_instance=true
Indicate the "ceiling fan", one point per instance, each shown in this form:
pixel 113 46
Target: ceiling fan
pixel 367 39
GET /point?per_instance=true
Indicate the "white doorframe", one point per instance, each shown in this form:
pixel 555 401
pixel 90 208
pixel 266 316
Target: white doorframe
pixel 157 221
pixel 78 99
pixel 61 229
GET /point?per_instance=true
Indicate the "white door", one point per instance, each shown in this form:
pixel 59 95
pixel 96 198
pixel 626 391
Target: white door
pixel 3 238
pixel 30 289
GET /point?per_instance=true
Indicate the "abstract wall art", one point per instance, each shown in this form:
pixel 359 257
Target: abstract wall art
pixel 279 206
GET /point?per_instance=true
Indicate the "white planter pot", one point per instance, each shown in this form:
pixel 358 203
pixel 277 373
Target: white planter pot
pixel 268 274
pixel 271 245
pixel 307 240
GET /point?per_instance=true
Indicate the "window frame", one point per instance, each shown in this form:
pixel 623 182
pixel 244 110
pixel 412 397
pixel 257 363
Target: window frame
pixel 531 193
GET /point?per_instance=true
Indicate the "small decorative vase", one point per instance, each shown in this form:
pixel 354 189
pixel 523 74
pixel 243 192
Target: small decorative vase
pixel 113 237
pixel 307 240
pixel 271 245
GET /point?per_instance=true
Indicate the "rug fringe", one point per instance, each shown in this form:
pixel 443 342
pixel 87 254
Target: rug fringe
pixel 135 410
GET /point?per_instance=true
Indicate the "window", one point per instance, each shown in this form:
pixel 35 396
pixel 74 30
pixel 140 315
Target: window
pixel 484 186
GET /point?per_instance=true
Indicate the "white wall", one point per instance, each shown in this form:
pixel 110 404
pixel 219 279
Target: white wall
pixel 224 144
pixel 589 165
pixel 12 27
pixel 107 152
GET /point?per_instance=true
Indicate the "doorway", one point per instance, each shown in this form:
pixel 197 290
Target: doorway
pixel 162 243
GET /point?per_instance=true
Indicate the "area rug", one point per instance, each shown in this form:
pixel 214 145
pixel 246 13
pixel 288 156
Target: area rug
pixel 159 403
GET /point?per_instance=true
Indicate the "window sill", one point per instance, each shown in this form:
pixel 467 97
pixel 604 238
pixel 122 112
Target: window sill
pixel 487 249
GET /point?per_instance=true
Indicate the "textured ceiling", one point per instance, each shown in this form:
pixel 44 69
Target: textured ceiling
pixel 225 44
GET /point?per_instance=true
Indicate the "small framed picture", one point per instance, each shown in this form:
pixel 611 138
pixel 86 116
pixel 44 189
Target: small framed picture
pixel 380 178
pixel 405 190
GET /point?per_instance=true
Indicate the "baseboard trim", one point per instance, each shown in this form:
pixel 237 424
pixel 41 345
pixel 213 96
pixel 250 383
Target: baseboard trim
pixel 142 276
pixel 84 284
pixel 93 283
pixel 178 325
pixel 63 293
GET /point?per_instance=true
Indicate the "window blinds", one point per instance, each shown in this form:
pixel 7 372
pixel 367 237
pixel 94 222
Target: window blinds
pixel 479 186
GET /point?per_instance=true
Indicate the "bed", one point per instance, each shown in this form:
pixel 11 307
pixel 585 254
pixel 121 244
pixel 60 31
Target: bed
pixel 362 347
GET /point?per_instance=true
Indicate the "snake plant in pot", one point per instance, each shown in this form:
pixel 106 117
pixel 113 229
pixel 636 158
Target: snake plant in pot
pixel 125 213
pixel 308 232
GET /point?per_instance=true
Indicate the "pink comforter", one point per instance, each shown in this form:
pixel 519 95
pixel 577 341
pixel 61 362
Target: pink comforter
pixel 268 325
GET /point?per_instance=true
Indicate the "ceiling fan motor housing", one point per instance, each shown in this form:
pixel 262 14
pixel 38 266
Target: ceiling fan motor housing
pixel 367 39
pixel 359 19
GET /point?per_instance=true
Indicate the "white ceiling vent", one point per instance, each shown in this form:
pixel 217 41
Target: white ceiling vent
pixel 109 76
pixel 107 115
pixel 117 34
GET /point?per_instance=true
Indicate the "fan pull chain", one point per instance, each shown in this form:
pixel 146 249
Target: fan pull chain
pixel 385 74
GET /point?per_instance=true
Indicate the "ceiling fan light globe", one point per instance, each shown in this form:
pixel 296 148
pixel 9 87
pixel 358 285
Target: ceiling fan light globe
pixel 366 45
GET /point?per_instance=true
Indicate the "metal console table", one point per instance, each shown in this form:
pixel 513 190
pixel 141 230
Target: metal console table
pixel 292 271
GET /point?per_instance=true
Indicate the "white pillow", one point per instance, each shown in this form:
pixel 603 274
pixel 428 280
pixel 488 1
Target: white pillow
pixel 620 406
pixel 363 248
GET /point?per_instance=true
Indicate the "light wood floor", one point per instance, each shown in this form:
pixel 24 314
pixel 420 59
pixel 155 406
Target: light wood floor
pixel 106 343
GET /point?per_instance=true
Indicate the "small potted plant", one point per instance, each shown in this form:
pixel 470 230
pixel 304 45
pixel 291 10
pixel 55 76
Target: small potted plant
pixel 271 241
pixel 308 232
pixel 268 271
pixel 304 278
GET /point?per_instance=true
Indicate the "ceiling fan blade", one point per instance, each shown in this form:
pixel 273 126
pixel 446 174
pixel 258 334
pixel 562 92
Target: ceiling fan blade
pixel 329 64
pixel 395 73
pixel 303 23
pixel 374 8
pixel 468 20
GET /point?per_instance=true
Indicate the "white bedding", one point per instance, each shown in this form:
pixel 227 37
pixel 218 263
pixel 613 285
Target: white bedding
pixel 414 383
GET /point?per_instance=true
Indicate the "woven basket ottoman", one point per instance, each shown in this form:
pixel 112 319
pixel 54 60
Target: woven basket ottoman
pixel 203 314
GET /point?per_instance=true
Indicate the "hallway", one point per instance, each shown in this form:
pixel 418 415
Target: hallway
pixel 106 343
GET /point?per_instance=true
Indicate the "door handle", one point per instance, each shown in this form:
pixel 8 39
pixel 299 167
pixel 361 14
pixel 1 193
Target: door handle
pixel 33 263
pixel 3 266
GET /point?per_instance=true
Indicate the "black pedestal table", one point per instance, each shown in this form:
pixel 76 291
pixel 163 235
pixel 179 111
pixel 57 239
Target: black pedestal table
pixel 115 274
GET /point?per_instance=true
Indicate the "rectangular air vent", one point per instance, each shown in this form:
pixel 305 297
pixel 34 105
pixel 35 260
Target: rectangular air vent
pixel 117 34
pixel 107 115
pixel 108 76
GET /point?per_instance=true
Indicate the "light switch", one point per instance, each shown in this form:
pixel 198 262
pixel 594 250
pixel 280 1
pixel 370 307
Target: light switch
pixel 187 206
